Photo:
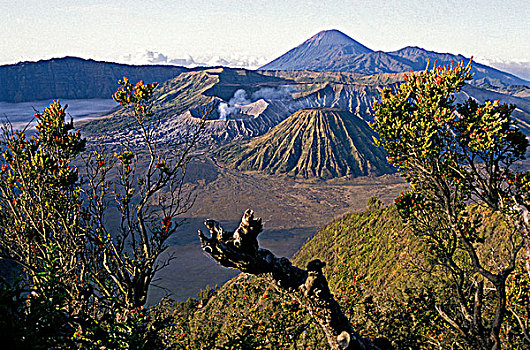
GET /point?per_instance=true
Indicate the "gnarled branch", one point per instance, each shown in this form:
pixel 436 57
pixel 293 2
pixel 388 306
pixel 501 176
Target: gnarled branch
pixel 240 250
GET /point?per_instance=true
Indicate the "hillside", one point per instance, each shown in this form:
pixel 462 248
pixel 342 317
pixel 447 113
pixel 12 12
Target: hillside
pixel 367 254
pixel 377 269
pixel 247 310
pixel 313 142
pixel 73 78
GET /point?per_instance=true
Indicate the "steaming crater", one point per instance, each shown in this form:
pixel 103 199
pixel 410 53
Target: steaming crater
pixel 237 112
pixel 244 121
pixel 236 107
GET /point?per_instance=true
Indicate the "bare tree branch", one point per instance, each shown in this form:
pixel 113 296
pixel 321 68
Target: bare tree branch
pixel 240 250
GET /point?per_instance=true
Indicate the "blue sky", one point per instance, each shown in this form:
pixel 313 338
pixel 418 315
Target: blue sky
pixel 489 30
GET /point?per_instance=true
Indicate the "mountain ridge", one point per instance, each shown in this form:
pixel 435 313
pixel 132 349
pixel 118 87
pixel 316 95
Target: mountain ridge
pixel 73 78
pixel 281 93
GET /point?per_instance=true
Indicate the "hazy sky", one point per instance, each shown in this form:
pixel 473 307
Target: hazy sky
pixel 33 29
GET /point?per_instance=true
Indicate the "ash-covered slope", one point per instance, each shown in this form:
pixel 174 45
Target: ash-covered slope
pixel 313 142
pixel 238 104
pixel 244 103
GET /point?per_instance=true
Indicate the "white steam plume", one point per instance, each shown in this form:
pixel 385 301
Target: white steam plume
pixel 276 93
pixel 240 98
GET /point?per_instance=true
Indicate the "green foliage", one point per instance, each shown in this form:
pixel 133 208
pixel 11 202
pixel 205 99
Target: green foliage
pixel 515 329
pixel 40 194
pixel 520 182
pixel 120 329
pixel 246 313
pixel 374 203
pixel 87 284
pixel 428 136
pixel 137 97
pixel 407 203
pixel 41 227
pixel 11 313
pixel 37 317
pixel 452 154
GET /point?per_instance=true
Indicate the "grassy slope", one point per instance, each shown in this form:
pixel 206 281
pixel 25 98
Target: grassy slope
pixel 372 268
pixel 370 244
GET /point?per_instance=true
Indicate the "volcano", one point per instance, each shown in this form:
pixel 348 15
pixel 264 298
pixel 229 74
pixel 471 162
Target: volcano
pixel 317 51
pixel 311 143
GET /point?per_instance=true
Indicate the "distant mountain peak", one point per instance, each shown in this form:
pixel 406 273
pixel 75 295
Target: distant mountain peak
pixel 418 51
pixel 321 47
pixel 333 37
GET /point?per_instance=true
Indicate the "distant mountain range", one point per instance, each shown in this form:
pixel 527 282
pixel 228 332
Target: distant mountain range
pixel 519 68
pixel 333 50
pixel 244 104
pixel 73 78
pixel 327 51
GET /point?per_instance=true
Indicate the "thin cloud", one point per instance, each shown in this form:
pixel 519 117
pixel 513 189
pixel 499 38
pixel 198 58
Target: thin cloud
pixel 520 68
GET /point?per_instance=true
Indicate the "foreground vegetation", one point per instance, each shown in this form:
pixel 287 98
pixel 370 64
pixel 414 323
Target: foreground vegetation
pixel 84 278
pixel 453 154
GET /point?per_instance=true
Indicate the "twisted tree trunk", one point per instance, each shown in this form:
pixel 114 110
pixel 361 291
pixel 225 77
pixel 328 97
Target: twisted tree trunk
pixel 240 250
